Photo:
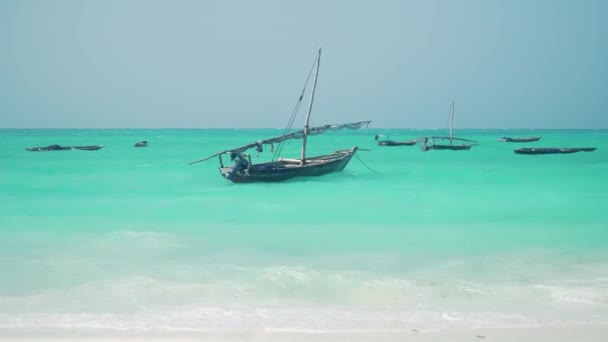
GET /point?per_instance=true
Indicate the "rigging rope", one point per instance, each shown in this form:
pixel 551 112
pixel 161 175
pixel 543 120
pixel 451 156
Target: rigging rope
pixel 294 113
pixel 369 168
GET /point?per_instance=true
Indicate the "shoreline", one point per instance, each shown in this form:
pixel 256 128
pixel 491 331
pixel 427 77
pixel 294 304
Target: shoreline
pixel 587 333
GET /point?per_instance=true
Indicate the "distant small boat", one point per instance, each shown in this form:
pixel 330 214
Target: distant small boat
pixel 519 139
pixel 551 150
pixel 141 144
pixel 428 143
pixel 64 148
pixel 387 142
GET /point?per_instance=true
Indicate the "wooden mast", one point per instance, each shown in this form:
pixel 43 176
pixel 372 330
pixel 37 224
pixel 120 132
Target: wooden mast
pixel 312 98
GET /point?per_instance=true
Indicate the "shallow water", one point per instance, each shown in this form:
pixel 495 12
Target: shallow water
pixel 136 239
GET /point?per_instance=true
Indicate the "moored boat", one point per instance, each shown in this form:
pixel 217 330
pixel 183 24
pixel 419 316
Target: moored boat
pixel 141 144
pixel 553 150
pixel 387 142
pixel 64 148
pixel 519 139
pixel 280 169
pixel 428 143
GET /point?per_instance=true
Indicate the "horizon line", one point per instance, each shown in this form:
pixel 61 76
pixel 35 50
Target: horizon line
pixel 282 128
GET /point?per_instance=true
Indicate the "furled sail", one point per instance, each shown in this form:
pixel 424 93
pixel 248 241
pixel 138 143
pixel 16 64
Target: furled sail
pixel 293 135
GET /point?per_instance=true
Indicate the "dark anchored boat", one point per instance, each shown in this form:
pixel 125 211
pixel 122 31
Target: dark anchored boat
pixel 519 139
pixel 141 144
pixel 64 148
pixel 280 169
pixel 387 142
pixel 430 143
pixel 553 150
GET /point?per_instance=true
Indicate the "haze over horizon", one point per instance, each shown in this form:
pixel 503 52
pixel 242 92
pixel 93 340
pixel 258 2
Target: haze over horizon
pixel 217 64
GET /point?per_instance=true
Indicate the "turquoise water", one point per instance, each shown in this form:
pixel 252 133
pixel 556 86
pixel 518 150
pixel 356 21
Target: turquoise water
pixel 136 239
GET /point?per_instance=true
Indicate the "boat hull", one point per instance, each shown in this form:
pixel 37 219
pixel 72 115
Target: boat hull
pixel 64 148
pixel 519 139
pixel 397 142
pixel 447 147
pixel 282 170
pixel 549 150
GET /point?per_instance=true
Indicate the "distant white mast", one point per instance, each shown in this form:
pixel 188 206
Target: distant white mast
pixel 452 123
pixel 312 98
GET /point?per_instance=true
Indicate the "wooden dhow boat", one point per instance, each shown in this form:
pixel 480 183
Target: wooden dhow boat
pixel 245 171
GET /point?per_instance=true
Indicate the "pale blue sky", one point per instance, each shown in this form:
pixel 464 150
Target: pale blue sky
pixel 210 64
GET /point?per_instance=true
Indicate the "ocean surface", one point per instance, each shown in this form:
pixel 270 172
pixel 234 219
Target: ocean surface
pixel 136 239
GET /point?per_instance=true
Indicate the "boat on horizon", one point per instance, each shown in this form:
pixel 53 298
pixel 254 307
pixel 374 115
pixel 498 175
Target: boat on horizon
pixel 519 139
pixel 428 143
pixel 553 150
pixel 64 148
pixel 387 142
pixel 280 169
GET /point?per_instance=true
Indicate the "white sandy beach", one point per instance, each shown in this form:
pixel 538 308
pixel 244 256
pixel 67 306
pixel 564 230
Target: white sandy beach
pixel 566 333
